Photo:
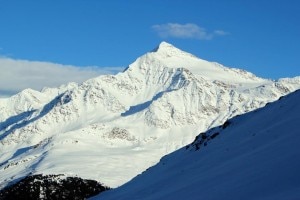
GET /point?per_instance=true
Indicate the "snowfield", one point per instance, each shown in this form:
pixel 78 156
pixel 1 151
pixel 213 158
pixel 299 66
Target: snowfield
pixel 253 156
pixel 113 127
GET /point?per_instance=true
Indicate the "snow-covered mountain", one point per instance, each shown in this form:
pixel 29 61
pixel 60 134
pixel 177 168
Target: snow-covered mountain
pixel 253 156
pixel 113 127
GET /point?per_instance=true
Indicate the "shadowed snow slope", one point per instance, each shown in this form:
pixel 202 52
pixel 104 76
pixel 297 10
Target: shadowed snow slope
pixel 253 156
pixel 104 128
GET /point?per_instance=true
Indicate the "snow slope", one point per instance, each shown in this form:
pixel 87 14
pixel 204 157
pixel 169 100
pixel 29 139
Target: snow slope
pixel 104 128
pixel 253 156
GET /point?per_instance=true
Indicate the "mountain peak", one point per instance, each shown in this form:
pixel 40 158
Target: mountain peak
pixel 164 46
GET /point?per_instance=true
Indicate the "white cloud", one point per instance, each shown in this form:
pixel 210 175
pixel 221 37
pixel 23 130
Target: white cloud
pixel 184 31
pixel 16 75
pixel 220 32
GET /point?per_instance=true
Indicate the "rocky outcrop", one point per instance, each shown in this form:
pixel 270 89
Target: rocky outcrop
pixel 52 187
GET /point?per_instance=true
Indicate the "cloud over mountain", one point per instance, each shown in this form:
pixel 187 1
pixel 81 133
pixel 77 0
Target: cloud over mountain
pixel 16 75
pixel 185 31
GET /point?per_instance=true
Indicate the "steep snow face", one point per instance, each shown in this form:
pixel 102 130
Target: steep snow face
pixel 112 123
pixel 169 55
pixel 253 156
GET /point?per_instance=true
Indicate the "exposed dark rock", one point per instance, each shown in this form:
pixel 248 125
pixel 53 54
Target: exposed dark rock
pixel 52 187
pixel 203 138
pixel 226 124
pixel 214 135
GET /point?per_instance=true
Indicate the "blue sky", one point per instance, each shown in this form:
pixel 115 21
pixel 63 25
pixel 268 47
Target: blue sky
pixel 261 36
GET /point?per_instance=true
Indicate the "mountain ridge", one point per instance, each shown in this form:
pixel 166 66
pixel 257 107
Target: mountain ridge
pixel 157 105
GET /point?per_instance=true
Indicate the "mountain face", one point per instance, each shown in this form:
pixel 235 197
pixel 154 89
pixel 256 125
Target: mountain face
pixel 113 127
pixel 253 156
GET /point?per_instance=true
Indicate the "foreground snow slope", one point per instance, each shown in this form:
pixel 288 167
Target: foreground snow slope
pixel 253 156
pixel 104 128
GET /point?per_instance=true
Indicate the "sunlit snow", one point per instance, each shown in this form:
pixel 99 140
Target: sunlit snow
pixel 113 127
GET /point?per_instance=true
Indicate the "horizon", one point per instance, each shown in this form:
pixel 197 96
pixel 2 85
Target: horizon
pixel 91 38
